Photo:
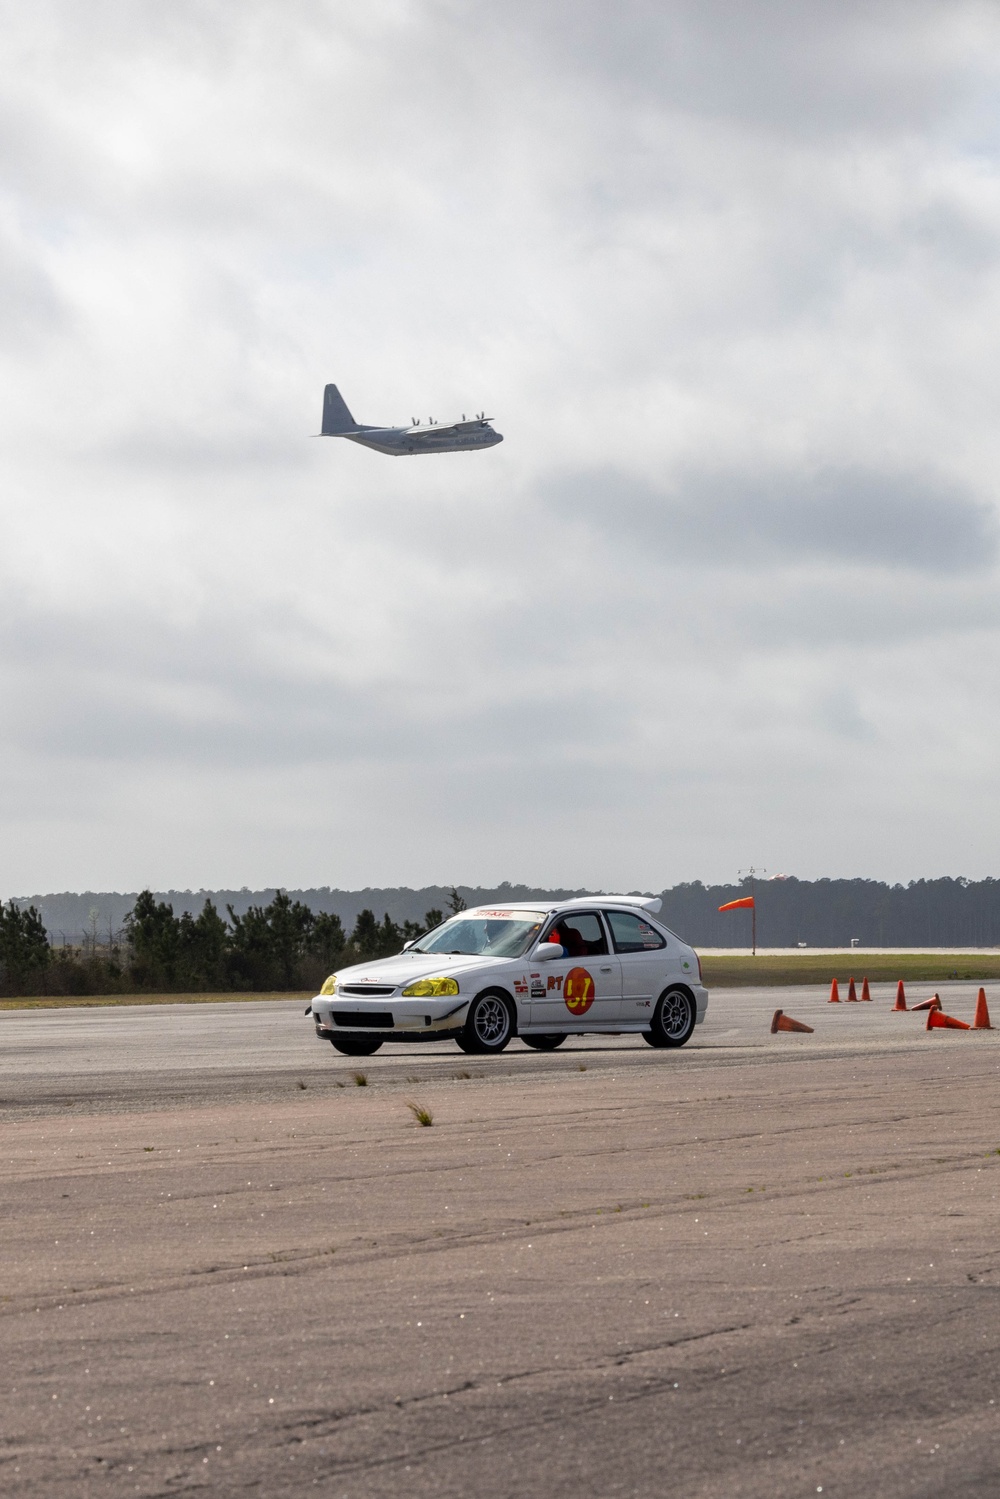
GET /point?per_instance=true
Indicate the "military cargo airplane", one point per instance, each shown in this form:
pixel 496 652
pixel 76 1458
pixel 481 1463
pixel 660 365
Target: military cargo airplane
pixel 457 437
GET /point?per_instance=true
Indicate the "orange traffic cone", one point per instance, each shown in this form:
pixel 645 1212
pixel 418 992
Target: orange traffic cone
pixel 865 994
pixel 982 1017
pixel 900 997
pixel 938 1020
pixel 834 994
pixel 934 1003
pixel 852 993
pixel 783 1022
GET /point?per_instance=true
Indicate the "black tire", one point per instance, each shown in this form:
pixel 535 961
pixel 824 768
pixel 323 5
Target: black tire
pixel 673 1019
pixel 544 1043
pixel 356 1046
pixel 463 1044
pixel 489 1024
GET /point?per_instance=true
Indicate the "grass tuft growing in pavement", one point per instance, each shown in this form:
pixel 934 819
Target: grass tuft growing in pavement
pixel 421 1115
pixel 361 1078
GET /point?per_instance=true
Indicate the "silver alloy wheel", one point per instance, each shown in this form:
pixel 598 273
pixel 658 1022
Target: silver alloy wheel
pixel 491 1021
pixel 675 1015
pixel 673 1019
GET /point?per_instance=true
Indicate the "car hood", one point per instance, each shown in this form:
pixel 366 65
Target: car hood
pixel 405 968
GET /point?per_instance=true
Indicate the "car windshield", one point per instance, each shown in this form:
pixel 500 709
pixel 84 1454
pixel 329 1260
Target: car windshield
pixel 494 934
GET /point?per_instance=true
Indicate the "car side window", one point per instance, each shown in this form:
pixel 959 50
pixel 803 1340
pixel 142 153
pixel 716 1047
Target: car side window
pixel 581 934
pixel 632 934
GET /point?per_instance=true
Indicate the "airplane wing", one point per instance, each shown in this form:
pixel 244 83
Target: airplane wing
pixel 437 431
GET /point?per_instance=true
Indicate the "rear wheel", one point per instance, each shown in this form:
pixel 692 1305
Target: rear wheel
pixel 673 1019
pixel 489 1024
pixel 356 1046
pixel 544 1043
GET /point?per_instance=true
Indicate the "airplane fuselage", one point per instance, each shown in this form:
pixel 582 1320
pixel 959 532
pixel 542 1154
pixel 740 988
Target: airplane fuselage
pixel 397 441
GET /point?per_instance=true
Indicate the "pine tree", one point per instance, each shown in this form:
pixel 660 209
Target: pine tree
pixel 154 935
pixel 24 942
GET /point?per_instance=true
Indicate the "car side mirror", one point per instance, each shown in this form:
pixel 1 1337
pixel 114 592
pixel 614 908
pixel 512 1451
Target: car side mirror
pixel 408 945
pixel 546 951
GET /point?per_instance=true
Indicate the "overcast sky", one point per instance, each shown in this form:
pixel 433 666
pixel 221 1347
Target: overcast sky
pixel 726 275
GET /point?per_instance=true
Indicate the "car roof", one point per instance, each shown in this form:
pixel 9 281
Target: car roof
pixel 651 903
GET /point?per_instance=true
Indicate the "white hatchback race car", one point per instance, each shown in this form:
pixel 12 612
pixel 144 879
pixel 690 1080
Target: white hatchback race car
pixel 592 965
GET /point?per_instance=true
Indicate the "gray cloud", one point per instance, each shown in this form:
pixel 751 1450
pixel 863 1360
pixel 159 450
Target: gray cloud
pixel 223 692
pixel 846 515
pixel 800 68
pixel 31 310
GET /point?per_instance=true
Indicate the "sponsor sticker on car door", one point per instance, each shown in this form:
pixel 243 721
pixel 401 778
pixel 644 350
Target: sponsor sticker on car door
pixel 579 991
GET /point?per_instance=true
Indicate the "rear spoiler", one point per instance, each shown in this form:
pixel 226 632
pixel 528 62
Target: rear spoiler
pixel 650 903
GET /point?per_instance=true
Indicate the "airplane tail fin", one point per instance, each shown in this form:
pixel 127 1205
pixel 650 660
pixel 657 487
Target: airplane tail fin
pixel 336 418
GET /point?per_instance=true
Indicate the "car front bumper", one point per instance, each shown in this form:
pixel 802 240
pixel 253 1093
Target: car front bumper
pixel 391 1017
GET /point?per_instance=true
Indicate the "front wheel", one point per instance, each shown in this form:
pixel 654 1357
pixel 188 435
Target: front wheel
pixel 544 1043
pixel 488 1026
pixel 673 1019
pixel 356 1046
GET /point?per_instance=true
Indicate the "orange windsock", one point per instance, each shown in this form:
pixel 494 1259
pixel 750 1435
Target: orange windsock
pixel 852 993
pixel 834 994
pixel 981 1021
pixel 900 997
pixel 934 1003
pixel 783 1022
pixel 736 905
pixel 865 994
pixel 937 1020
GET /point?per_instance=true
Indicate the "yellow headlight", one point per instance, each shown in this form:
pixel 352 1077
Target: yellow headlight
pixel 428 988
pixel 329 984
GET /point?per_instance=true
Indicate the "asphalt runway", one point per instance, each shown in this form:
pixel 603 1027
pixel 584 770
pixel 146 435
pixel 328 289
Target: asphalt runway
pixel 760 1266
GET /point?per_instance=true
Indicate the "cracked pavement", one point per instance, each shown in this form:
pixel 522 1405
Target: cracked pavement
pixel 761 1266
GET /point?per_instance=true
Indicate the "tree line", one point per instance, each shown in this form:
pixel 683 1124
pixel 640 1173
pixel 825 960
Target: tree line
pixel 283 945
pixel 831 913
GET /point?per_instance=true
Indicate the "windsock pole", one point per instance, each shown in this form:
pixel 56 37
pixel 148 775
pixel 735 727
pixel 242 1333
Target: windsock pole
pixel 736 905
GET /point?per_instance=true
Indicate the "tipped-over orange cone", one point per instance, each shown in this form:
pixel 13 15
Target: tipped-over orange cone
pixel 900 997
pixel 865 993
pixel 834 994
pixel 934 1003
pixel 982 1017
pixel 783 1022
pixel 852 993
pixel 937 1020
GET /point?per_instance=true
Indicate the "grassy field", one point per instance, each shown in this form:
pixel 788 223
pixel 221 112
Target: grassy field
pixel 817 968
pixel 87 1001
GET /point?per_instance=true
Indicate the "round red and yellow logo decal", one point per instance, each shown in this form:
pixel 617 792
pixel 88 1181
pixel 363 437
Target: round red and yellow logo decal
pixel 578 991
